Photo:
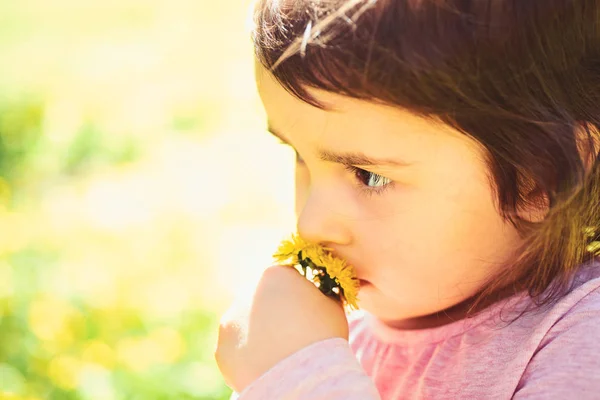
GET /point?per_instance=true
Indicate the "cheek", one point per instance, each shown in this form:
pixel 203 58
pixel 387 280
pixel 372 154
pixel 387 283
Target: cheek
pixel 438 245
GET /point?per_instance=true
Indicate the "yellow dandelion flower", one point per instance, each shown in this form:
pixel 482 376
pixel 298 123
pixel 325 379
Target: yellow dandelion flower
pixel 340 271
pixel 589 231
pixel 338 274
pixel 316 254
pixel 288 250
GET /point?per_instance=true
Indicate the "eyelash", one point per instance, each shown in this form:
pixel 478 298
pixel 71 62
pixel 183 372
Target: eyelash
pixel 365 189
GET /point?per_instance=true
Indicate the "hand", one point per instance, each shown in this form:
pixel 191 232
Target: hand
pixel 286 313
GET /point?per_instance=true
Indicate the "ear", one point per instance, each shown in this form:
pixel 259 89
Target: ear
pixel 537 204
pixel 536 207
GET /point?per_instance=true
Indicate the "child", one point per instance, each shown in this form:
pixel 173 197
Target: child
pixel 448 150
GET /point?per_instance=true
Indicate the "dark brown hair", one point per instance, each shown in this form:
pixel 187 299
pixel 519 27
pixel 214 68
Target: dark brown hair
pixel 520 77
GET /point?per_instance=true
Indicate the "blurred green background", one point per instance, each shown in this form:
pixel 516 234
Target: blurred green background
pixel 138 194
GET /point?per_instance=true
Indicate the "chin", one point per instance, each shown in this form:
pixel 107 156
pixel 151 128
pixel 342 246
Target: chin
pixel 383 308
pixel 373 302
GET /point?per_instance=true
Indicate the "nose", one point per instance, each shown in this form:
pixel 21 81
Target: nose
pixel 321 219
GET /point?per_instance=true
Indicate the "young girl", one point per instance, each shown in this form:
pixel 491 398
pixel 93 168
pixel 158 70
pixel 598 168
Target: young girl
pixel 448 150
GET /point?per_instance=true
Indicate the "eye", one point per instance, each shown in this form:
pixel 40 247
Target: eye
pixel 369 181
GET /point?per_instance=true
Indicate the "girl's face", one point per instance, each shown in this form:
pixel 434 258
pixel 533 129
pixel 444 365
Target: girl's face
pixel 407 202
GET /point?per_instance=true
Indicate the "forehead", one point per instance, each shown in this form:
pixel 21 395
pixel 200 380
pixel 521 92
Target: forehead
pixel 350 122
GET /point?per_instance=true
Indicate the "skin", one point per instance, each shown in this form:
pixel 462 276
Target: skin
pixel 423 235
pixel 424 242
pixel 285 314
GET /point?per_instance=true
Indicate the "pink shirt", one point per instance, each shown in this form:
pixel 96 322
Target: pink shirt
pixel 553 353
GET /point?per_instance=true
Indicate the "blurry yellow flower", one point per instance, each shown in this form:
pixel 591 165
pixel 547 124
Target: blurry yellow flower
pixel 138 355
pixel 49 319
pixel 5 191
pixel 98 352
pixel 589 231
pixel 170 343
pixel 10 396
pixel 162 346
pixel 594 248
pixel 294 251
pixel 64 372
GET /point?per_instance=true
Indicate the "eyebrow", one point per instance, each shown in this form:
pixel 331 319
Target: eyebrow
pixel 347 158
